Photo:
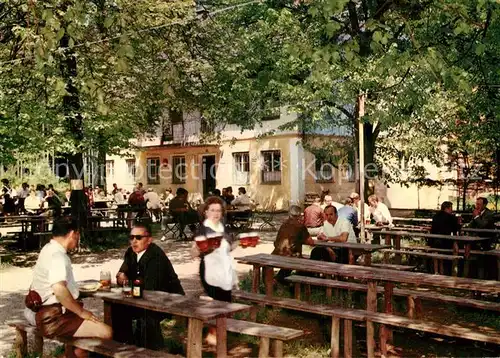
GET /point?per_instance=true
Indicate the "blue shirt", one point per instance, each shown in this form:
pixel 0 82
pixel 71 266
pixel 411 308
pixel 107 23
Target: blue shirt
pixel 349 213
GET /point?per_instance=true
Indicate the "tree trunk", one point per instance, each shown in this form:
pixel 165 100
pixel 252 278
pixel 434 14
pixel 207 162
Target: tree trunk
pixel 71 106
pixel 101 165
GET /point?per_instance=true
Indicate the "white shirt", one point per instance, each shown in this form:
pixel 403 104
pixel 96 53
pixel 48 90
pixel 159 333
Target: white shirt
pixel 153 200
pixel 381 214
pixel 23 193
pixel 53 266
pixel 32 203
pixel 219 267
pixel 243 202
pixel 139 255
pixel 342 225
pixel 366 213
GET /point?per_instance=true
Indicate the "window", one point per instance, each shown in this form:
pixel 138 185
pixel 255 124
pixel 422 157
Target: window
pixel 110 168
pixel 241 172
pixel 179 170
pixel 153 171
pixel 271 169
pixel 130 170
pixel 324 171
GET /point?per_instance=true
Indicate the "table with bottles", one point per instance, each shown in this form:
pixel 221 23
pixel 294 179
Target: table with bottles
pixel 197 310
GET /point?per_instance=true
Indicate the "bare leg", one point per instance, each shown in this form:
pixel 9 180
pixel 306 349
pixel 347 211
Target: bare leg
pixel 94 329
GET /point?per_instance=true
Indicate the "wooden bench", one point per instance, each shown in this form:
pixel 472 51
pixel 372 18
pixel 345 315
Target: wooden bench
pixel 482 334
pixel 413 296
pixel 395 267
pixel 437 259
pixel 107 348
pixel 265 332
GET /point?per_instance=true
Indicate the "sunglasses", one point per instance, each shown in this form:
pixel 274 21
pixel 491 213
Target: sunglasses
pixel 137 237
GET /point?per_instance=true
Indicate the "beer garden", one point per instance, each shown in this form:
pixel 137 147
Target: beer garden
pixel 412 81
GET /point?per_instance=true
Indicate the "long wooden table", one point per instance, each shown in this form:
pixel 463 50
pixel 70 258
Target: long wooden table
pixel 370 274
pixel 195 309
pixel 353 247
pixel 466 240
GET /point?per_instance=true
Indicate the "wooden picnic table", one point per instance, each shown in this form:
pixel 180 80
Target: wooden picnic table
pixel 467 240
pixel 370 274
pixel 195 309
pixel 353 247
pixel 418 220
pixel 481 231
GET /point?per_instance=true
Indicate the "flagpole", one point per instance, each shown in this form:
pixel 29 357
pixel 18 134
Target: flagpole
pixel 361 151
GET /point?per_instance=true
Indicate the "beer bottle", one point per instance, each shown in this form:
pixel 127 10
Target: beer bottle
pixel 138 286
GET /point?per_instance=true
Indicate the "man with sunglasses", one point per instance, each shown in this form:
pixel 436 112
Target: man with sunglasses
pixel 158 275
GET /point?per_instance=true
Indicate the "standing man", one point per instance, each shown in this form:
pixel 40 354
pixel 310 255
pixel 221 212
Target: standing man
pixel 22 194
pixel 61 315
pixel 149 260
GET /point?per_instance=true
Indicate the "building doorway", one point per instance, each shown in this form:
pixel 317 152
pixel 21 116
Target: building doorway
pixel 208 172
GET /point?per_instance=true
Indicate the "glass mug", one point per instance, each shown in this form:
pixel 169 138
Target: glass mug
pixel 105 280
pixel 127 289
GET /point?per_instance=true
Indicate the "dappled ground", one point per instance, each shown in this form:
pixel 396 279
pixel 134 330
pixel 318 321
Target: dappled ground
pixel 15 280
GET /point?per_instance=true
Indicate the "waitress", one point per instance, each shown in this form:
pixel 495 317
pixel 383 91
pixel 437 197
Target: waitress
pixel 217 272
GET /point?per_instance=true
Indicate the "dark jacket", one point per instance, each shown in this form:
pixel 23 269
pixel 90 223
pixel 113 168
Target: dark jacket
pixel 484 221
pixel 443 223
pixel 156 269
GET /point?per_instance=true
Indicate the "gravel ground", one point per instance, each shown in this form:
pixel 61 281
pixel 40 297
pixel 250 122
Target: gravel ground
pixel 15 281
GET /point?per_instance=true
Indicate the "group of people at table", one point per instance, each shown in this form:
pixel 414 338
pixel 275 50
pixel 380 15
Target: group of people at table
pixel 62 313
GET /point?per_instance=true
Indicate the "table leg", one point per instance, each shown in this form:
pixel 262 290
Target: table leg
pixel 386 254
pixel 397 246
pixel 348 338
pixel 108 313
pixel 221 326
pixel 255 278
pixel 466 258
pixel 388 294
pixel 335 338
pixel 368 258
pixel 351 258
pixel 269 277
pixel 194 341
pixel 371 305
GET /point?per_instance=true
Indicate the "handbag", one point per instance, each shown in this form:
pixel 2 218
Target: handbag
pixel 33 300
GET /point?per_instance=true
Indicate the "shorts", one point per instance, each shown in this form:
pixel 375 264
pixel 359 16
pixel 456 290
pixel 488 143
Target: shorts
pixel 52 322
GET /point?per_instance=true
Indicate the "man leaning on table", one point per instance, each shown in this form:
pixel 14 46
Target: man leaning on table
pixel 61 315
pixel 158 274
pixel 334 229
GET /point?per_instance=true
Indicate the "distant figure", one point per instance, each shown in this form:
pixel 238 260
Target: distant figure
pixel 22 194
pixel 9 204
pixel 380 211
pixel 292 234
pixel 182 211
pixel 444 223
pixel 168 196
pixel 140 187
pixel 115 189
pixel 328 200
pixel 357 204
pixel 228 197
pixel 33 203
pixel 483 218
pixel 153 204
pixel 242 201
pixel 313 217
pixel 349 213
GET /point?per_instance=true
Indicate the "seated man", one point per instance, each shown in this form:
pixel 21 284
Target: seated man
pixel 292 234
pixel 61 315
pixel 337 230
pixel 444 223
pixel 379 211
pixel 153 203
pixel 313 217
pixel 183 212
pixel 148 259
pixel 349 212
pixel 483 218
pixel 242 201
